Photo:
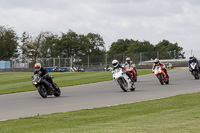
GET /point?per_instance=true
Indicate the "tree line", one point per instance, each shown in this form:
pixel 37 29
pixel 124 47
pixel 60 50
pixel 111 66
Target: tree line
pixel 137 49
pixel 71 44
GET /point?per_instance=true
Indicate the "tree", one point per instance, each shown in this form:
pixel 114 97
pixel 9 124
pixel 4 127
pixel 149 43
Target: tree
pixel 138 49
pixel 96 48
pixel 121 46
pixel 8 43
pixel 37 47
pixel 169 50
pixel 118 49
pixel 67 45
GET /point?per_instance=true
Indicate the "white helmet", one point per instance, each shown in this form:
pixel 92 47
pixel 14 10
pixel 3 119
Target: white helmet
pixel 128 59
pixel 115 63
pixel 156 60
pixel 191 57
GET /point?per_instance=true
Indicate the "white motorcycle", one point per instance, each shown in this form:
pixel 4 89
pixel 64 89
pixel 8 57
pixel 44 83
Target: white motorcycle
pixel 123 80
pixel 194 69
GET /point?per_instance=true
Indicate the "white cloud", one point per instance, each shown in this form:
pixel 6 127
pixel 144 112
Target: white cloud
pixel 151 20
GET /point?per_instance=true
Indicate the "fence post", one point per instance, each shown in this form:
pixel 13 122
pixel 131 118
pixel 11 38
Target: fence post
pixel 174 54
pixel 106 60
pixel 53 62
pixel 123 57
pixel 191 51
pixel 158 54
pixel 140 57
pixel 59 61
pixel 70 64
pixel 88 61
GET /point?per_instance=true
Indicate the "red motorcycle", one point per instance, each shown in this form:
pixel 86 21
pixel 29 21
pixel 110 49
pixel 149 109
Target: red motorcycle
pixel 132 71
pixel 161 75
pixel 57 70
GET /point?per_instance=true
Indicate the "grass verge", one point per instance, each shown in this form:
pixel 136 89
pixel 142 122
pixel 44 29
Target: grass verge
pixel 20 81
pixel 178 114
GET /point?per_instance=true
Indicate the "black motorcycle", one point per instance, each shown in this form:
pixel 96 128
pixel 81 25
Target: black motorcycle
pixel 194 69
pixel 44 88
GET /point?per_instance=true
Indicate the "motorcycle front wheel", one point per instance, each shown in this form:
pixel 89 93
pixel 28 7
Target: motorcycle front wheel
pixel 42 91
pixel 160 77
pixel 121 83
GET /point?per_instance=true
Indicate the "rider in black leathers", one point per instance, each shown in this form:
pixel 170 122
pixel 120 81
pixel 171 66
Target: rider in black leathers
pixel 43 73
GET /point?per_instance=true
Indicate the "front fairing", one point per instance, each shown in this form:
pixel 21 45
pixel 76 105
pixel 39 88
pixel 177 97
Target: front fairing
pixel 117 73
pixel 194 66
pixel 158 70
pixel 36 79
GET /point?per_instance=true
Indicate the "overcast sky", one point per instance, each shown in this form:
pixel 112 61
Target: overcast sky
pixel 151 20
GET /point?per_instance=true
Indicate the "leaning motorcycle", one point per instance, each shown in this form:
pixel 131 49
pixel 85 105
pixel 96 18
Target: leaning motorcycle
pixel 44 88
pixel 132 71
pixel 194 69
pixel 123 80
pixel 160 74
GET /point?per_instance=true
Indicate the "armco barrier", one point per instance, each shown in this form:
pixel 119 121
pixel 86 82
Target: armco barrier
pixel 51 69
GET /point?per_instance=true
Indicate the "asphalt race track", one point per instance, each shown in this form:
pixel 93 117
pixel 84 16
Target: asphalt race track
pixel 100 94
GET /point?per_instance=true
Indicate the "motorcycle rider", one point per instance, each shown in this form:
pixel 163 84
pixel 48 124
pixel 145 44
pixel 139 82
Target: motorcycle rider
pixel 43 73
pixel 129 63
pixel 116 65
pixel 55 69
pixel 192 59
pixel 158 63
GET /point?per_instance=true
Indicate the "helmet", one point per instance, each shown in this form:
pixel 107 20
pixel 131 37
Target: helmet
pixel 191 57
pixel 115 63
pixel 156 61
pixel 37 66
pixel 128 60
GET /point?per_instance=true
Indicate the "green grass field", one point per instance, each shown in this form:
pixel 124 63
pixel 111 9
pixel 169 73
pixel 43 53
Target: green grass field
pixel 178 114
pixel 21 81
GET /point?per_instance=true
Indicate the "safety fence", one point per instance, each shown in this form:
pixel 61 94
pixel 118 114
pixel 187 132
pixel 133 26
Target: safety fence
pixel 93 62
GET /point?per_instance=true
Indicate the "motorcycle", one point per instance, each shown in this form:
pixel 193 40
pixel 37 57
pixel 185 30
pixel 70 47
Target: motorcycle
pixel 57 70
pixel 160 74
pixel 44 88
pixel 132 71
pixel 194 69
pixel 80 70
pixel 123 80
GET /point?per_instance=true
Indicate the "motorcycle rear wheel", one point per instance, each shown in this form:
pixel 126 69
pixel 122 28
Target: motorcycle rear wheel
pixel 167 81
pixel 195 74
pixel 135 79
pixel 57 90
pixel 133 88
